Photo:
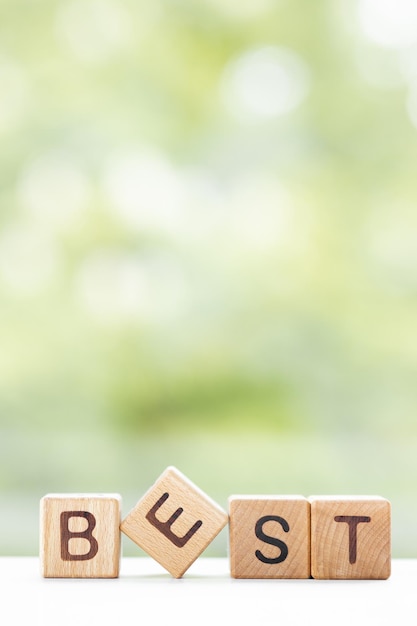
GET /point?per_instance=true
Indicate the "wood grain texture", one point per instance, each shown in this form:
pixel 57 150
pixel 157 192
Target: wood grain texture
pixel 350 537
pixel 174 522
pixel 80 535
pixel 269 536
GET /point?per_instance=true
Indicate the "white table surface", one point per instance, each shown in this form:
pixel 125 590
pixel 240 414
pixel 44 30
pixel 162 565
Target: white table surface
pixel 145 594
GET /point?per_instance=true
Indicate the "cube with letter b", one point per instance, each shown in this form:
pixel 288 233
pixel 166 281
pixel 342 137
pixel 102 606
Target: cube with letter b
pixel 80 535
pixel 350 537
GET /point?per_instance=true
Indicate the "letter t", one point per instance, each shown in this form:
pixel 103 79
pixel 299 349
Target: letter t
pixel 352 521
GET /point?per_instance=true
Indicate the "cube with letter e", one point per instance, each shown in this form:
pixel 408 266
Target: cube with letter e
pixel 80 535
pixel 174 521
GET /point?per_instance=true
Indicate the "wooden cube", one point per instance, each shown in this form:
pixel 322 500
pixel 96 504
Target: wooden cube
pixel 174 522
pixel 80 535
pixel 269 536
pixel 350 537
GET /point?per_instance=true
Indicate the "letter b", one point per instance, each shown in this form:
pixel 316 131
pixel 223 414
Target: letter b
pixel 87 534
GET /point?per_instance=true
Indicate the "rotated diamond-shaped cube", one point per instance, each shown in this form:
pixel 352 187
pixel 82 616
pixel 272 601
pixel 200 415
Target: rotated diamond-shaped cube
pixel 174 522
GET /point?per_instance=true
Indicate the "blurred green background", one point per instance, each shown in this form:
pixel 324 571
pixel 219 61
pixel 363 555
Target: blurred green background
pixel 208 251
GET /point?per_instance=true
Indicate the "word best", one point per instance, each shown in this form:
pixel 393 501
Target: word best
pixel 270 536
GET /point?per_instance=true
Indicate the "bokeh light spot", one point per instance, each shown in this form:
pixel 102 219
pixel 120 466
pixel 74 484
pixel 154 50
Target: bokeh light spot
pixel 242 10
pixel 29 260
pixel 391 23
pixel 261 214
pixel 144 190
pixel 117 287
pixel 264 83
pixel 14 96
pixel 54 191
pixel 93 30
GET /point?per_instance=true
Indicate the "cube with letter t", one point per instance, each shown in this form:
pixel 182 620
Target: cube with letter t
pixel 80 535
pixel 350 537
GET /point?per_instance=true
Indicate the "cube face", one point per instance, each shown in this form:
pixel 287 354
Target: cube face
pixel 174 522
pixel 80 535
pixel 350 537
pixel 269 537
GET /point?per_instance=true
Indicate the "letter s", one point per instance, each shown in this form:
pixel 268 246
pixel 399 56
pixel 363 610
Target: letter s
pixel 273 541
